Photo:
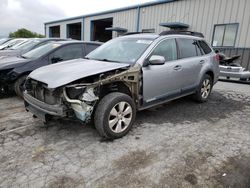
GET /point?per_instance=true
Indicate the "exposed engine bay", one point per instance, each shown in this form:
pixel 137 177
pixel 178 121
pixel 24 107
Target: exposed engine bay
pixel 83 97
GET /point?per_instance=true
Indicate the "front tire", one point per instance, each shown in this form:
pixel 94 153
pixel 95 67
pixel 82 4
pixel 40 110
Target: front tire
pixel 204 90
pixel 19 86
pixel 115 115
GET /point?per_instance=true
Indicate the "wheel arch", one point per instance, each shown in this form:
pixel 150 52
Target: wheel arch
pixel 117 86
pixel 211 74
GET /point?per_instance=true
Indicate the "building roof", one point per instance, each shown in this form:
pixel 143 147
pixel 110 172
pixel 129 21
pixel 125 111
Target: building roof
pixel 156 2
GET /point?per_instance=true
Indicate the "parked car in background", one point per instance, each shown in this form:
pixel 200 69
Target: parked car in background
pixel 14 70
pixel 4 40
pixel 230 67
pixel 31 44
pixel 12 42
pixel 126 74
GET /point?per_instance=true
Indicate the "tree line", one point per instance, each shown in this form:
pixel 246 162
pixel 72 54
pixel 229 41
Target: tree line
pixel 25 33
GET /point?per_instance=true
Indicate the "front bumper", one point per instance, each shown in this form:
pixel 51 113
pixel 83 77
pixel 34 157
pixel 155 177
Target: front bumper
pixel 242 75
pixel 234 72
pixel 41 109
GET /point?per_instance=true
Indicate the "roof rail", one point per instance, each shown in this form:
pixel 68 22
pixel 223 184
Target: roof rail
pixel 181 32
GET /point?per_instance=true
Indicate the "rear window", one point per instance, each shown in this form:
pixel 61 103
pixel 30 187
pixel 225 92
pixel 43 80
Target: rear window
pixel 205 48
pixel 187 47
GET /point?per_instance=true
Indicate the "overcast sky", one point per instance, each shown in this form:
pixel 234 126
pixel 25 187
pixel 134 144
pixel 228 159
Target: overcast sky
pixel 31 14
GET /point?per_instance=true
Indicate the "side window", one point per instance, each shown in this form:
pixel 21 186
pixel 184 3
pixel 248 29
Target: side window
pixel 198 49
pixel 187 47
pixel 167 49
pixel 90 47
pixel 68 52
pixel 205 48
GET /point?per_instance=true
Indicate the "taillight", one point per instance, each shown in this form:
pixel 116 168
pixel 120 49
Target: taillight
pixel 217 57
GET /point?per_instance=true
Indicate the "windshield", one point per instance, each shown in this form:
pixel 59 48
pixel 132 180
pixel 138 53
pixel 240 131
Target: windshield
pixel 40 51
pixel 124 50
pixel 26 45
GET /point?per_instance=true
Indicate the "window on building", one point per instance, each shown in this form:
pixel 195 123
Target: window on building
pixel 187 47
pixel 148 30
pixel 167 49
pixel 225 35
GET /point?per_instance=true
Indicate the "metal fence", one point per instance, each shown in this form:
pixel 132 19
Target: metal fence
pixel 243 52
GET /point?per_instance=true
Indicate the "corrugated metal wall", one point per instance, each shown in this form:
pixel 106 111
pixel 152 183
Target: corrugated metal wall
pixel 201 15
pixel 125 19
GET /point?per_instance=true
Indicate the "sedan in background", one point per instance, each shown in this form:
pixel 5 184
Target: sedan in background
pixel 4 40
pixel 12 42
pixel 18 50
pixel 14 70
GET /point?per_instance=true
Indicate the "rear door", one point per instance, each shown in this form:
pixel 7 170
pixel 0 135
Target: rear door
pixel 191 62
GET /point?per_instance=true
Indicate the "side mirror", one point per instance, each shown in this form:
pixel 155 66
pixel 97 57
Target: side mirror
pixel 156 60
pixel 56 59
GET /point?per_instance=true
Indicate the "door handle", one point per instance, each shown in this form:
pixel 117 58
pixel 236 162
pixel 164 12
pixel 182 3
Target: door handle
pixel 202 61
pixel 177 67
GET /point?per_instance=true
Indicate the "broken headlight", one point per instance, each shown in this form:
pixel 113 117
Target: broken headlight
pixel 75 92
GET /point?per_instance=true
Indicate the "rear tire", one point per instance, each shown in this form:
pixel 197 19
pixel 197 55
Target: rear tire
pixel 19 84
pixel 115 115
pixel 205 87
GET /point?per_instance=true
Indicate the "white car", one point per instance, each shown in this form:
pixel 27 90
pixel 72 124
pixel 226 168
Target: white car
pixel 230 69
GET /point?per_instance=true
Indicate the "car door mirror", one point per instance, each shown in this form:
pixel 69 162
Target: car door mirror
pixel 56 59
pixel 156 60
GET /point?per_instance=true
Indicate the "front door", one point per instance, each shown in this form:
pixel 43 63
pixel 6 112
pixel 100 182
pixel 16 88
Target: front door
pixel 161 81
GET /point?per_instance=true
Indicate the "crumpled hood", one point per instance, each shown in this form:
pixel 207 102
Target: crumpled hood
pixel 12 62
pixel 60 74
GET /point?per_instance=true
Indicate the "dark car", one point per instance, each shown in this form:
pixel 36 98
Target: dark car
pixel 31 44
pixel 14 70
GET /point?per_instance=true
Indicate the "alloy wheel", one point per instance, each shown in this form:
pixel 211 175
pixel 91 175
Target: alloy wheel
pixel 120 117
pixel 206 88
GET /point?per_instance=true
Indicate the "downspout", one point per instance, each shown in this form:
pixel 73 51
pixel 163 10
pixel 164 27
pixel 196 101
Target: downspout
pixel 138 19
pixel 83 22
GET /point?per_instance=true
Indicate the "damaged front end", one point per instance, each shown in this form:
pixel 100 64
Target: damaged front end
pixel 84 104
pixel 79 99
pixel 83 98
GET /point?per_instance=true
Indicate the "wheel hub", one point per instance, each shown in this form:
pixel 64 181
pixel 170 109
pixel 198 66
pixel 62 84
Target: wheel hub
pixel 120 117
pixel 206 88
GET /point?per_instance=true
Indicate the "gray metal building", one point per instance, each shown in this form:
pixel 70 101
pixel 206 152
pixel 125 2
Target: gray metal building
pixel 224 23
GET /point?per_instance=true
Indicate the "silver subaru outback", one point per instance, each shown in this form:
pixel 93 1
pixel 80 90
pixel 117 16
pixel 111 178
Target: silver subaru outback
pixel 125 75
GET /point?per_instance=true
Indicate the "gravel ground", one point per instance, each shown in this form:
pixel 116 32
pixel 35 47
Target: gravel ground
pixel 179 144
